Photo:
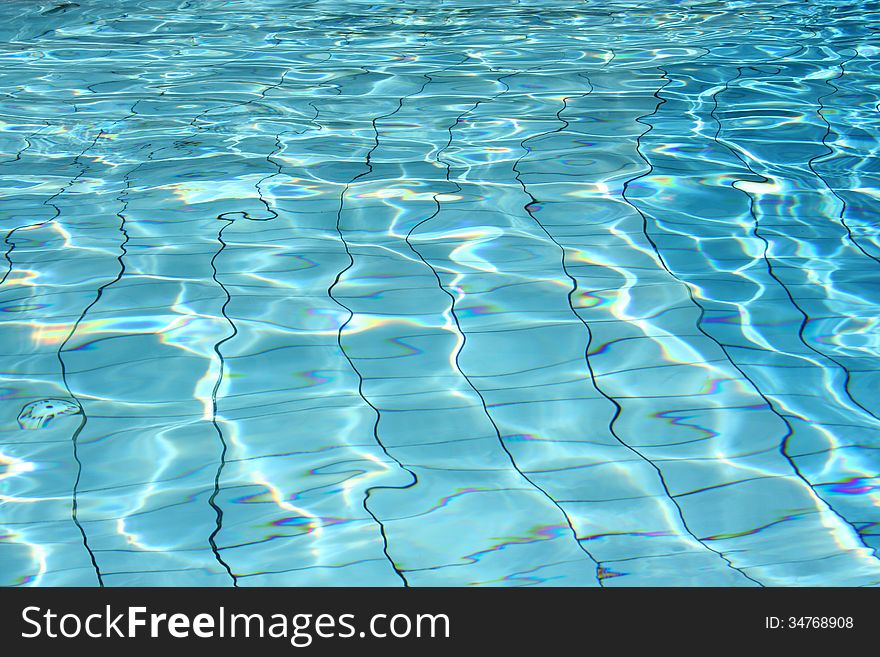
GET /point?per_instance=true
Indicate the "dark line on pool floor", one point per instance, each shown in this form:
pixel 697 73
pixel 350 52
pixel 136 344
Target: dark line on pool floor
pixel 528 207
pixel 841 216
pixel 61 348
pixel 461 332
pixel 662 261
pixel 339 276
pixel 783 446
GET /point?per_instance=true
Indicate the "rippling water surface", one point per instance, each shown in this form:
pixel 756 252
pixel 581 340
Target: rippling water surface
pixel 439 293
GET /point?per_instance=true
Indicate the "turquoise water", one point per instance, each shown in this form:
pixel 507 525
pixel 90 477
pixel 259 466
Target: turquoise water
pixel 439 293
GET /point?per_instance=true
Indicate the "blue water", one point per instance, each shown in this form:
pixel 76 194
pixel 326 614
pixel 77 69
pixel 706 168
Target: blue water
pixel 439 293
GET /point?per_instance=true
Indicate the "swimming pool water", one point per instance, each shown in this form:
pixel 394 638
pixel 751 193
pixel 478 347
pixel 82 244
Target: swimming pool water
pixel 439 293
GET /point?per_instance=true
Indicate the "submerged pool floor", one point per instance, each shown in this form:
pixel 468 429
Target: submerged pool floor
pixel 439 293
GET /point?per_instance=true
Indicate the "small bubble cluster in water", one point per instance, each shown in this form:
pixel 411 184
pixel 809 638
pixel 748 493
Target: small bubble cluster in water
pixel 38 414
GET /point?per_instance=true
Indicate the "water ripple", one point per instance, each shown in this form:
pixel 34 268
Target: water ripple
pixel 325 293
